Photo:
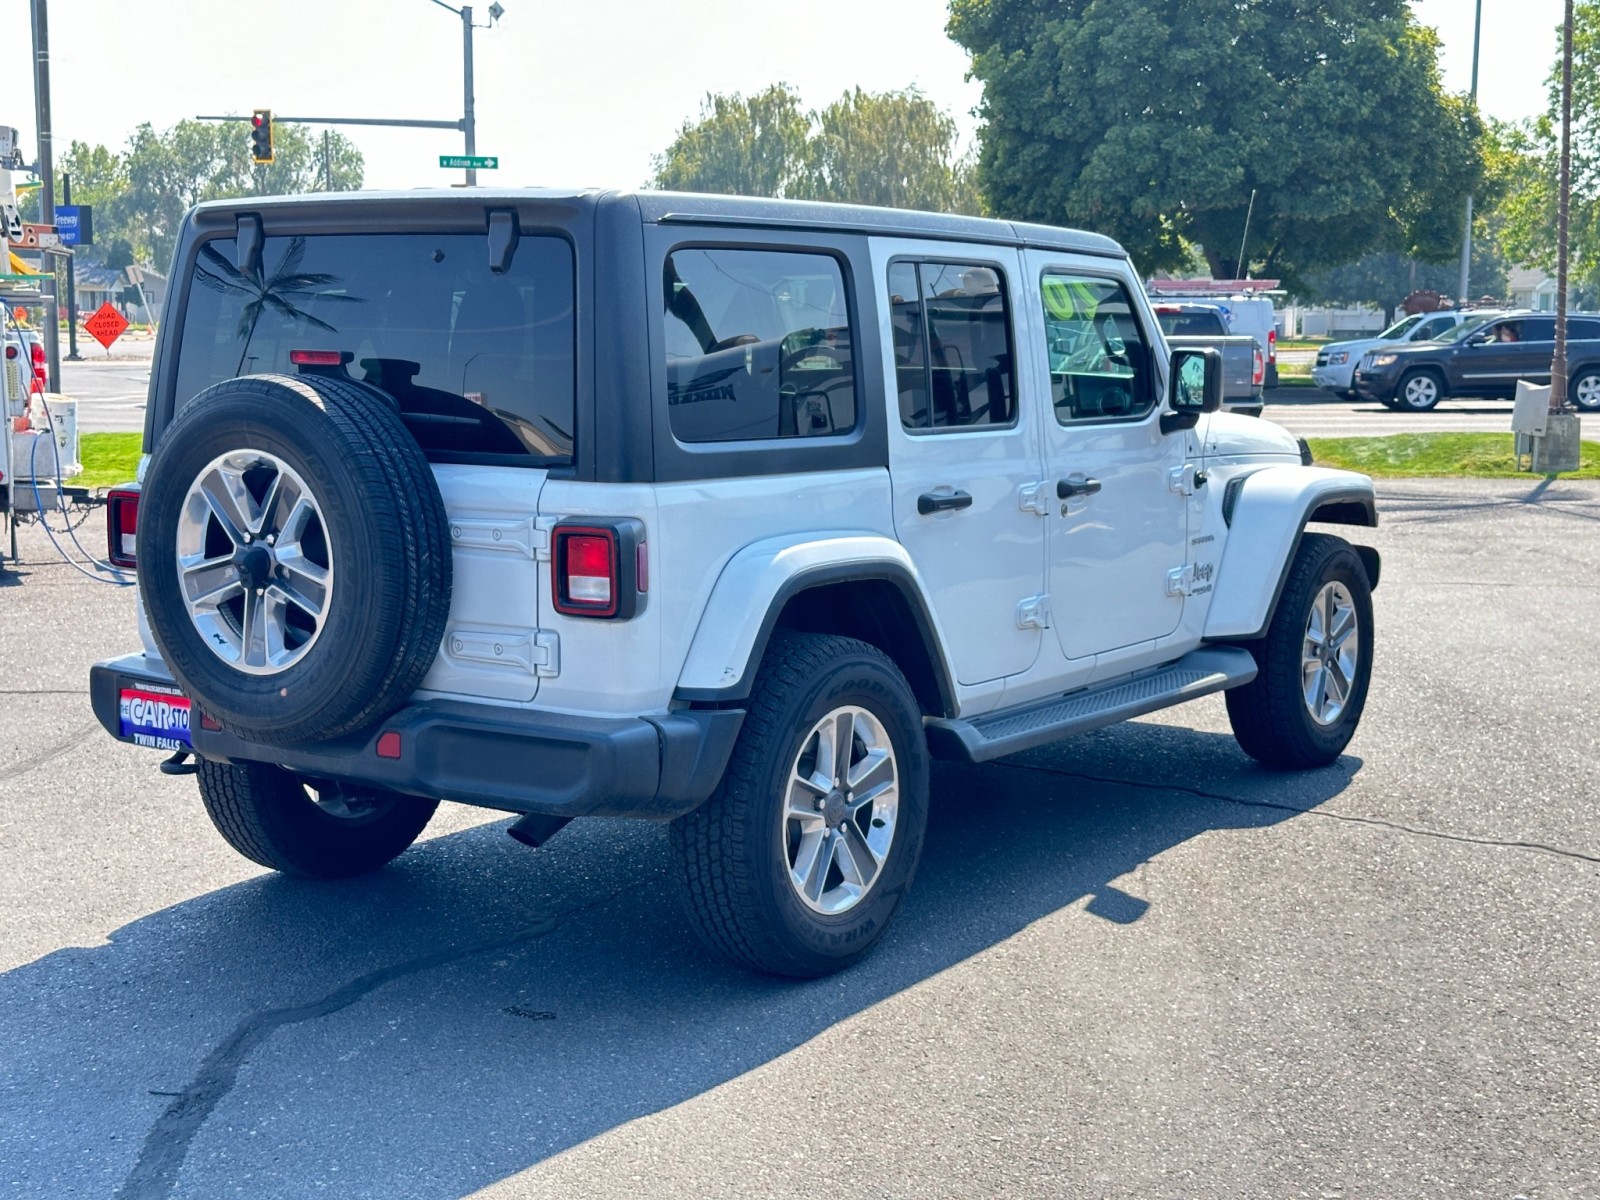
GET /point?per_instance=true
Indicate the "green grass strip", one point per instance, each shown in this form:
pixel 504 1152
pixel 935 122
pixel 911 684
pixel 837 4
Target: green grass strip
pixel 1457 455
pixel 108 459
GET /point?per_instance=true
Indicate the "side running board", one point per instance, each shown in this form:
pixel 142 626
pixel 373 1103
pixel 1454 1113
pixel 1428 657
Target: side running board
pixel 1198 673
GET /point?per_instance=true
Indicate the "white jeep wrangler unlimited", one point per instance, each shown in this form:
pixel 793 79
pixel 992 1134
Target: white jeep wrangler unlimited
pixel 723 512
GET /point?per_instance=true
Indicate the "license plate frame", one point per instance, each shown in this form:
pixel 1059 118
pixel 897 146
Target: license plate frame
pixel 153 716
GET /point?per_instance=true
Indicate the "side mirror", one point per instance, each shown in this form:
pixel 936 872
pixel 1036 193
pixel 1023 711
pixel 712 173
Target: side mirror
pixel 1194 386
pixel 1478 339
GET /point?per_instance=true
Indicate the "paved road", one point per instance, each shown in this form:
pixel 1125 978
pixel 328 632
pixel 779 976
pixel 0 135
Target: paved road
pixel 1314 413
pixel 110 390
pixel 1133 965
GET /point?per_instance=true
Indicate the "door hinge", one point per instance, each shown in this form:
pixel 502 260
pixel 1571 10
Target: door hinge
pixel 1034 613
pixel 541 537
pixel 1180 580
pixel 1031 497
pixel 1182 479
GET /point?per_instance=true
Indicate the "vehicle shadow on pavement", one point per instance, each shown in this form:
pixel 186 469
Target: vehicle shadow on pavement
pixel 477 1008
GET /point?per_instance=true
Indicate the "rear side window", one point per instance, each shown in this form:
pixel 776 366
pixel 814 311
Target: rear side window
pixel 952 346
pixel 1583 330
pixel 1176 323
pixel 1099 362
pixel 758 345
pixel 480 363
pixel 1432 328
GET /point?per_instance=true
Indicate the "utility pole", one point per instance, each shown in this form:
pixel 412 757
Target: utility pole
pixel 469 119
pixel 1462 295
pixel 1558 363
pixel 469 116
pixel 47 197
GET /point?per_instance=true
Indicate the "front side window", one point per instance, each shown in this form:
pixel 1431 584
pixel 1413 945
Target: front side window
pixel 478 362
pixel 1099 362
pixel 758 345
pixel 952 346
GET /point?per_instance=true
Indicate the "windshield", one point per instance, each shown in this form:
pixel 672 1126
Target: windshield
pixel 1398 329
pixel 479 362
pixel 1466 327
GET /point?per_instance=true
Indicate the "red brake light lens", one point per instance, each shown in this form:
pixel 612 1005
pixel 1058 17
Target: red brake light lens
pixel 11 352
pixel 586 571
pixel 317 358
pixel 122 527
pixel 1260 372
pixel 597 568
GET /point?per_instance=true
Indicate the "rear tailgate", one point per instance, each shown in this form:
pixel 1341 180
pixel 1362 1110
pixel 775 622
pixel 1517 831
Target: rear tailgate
pixel 1238 364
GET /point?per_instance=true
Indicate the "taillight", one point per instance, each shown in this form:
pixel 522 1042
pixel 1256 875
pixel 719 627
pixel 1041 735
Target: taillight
pixel 122 526
pixel 40 379
pixel 11 352
pixel 598 568
pixel 320 358
pixel 1260 372
pixel 1272 345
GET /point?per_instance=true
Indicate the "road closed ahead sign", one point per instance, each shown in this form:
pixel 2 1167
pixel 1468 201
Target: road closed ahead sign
pixel 106 325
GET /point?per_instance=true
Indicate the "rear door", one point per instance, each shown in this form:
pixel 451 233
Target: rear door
pixel 964 450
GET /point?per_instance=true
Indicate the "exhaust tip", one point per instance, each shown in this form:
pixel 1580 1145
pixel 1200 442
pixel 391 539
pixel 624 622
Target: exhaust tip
pixel 535 829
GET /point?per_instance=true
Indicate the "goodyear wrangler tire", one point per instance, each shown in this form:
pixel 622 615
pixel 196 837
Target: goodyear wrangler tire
pixel 801 857
pixel 1313 666
pixel 294 556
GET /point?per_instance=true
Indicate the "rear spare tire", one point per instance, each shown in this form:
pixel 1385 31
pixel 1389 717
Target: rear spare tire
pixel 294 556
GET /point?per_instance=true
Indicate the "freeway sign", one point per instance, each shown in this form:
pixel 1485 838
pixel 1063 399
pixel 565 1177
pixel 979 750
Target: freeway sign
pixel 469 162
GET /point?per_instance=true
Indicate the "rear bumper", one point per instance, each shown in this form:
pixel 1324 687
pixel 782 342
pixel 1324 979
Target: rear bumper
pixel 657 766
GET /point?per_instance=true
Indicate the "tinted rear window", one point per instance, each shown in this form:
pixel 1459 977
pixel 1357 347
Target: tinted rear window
pixel 1191 324
pixel 480 363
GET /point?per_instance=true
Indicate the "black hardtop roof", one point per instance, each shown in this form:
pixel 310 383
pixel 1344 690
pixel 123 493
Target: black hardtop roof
pixel 693 208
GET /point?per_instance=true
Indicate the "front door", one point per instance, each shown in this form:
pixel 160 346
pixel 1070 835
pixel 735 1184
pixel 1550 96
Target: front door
pixel 1117 542
pixel 1502 352
pixel 963 448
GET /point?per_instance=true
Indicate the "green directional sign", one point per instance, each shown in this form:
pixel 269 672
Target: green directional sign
pixel 469 162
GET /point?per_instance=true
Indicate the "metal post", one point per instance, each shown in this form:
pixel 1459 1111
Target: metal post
pixel 327 160
pixel 469 120
pixel 1558 363
pixel 1462 295
pixel 47 199
pixel 72 285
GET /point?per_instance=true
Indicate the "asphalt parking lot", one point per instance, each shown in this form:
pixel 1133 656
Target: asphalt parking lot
pixel 1134 964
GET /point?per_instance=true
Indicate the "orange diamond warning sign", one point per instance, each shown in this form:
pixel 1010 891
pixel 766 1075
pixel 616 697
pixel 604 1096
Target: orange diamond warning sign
pixel 106 325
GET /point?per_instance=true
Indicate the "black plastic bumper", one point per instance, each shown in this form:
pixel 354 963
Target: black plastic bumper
pixel 528 761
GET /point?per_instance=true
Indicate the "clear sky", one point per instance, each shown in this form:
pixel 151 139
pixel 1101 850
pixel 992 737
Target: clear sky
pixel 567 93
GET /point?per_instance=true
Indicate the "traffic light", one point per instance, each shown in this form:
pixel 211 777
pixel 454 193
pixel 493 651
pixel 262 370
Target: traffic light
pixel 261 136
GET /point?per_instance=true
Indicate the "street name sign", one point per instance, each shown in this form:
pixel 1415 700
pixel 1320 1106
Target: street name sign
pixel 469 162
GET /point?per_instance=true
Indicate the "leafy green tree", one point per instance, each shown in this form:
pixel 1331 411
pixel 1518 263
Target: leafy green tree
pixel 1155 120
pixel 739 146
pixel 1526 160
pixel 895 149
pixel 1386 278
pixel 141 195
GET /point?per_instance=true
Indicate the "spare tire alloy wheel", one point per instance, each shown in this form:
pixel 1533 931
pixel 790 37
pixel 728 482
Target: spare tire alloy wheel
pixel 294 557
pixel 254 562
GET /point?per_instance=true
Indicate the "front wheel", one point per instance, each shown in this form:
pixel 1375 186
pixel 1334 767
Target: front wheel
pixel 317 829
pixel 1585 390
pixel 1313 665
pixel 799 861
pixel 1419 391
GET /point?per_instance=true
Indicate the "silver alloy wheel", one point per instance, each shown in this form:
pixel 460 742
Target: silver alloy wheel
pixel 1421 391
pixel 255 567
pixel 1331 654
pixel 1587 393
pixel 839 810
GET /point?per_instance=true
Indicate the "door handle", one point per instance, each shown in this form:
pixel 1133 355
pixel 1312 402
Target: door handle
pixel 932 502
pixel 1076 485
